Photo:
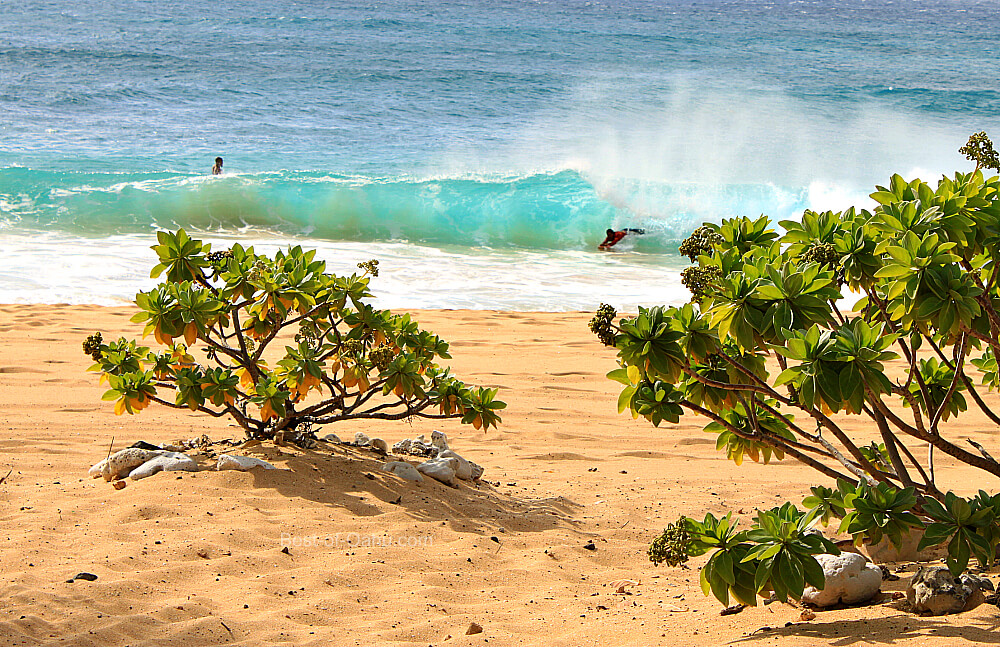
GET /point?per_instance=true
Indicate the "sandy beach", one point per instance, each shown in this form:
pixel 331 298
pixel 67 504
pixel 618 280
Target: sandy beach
pixel 371 559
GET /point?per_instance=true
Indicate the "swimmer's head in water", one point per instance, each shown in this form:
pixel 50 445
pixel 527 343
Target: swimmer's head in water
pixel 610 232
pixel 218 161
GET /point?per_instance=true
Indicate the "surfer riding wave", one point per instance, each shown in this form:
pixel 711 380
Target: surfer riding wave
pixel 614 237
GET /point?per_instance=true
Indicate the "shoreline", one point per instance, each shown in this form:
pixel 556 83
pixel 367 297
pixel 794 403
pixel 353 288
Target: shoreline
pixel 198 558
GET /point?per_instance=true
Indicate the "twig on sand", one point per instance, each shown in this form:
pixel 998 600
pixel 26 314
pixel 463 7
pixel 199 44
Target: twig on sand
pixel 110 448
pixel 9 472
pixel 227 628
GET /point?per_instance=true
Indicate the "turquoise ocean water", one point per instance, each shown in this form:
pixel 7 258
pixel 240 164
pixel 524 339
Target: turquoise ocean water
pixel 478 149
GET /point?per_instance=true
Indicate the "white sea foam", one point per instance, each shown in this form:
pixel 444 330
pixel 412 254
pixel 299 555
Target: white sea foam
pixel 57 268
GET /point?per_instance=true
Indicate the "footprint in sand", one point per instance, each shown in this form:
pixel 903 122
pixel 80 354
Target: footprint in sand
pixel 566 388
pixel 694 441
pixel 559 456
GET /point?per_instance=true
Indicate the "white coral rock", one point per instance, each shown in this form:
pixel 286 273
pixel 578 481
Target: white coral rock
pixel 241 463
pixel 439 440
pixel 934 590
pixel 463 470
pixel 120 464
pixel 477 470
pixel 97 469
pixel 441 469
pixel 885 551
pixel 403 470
pixel 165 462
pixel 849 579
pixel 361 439
pixel 380 445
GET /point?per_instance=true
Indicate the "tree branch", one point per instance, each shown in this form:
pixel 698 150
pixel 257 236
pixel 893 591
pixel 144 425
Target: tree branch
pixel 781 444
pixel 959 362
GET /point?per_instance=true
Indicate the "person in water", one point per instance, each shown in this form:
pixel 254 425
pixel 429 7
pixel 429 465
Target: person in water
pixel 217 169
pixel 615 237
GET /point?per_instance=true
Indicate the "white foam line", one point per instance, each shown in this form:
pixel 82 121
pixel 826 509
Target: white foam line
pixel 57 268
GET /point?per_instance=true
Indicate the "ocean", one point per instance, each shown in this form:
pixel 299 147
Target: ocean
pixel 477 149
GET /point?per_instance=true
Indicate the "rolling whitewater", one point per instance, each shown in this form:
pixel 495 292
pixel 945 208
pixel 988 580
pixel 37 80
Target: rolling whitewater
pixel 478 151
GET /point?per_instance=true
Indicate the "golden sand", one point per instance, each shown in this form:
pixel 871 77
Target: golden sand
pixel 196 559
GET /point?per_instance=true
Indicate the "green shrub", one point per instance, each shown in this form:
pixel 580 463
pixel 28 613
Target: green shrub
pixel 342 359
pixel 925 264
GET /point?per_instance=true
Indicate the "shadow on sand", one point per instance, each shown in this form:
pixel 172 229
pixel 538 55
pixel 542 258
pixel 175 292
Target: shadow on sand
pixel 898 629
pixel 352 478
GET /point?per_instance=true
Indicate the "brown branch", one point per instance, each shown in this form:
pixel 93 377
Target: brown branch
pixel 750 374
pixel 919 431
pixel 970 387
pixel 774 442
pixel 805 434
pixel 893 451
pixel 912 431
pixel 911 356
pixel 726 386
pixel 174 405
pixel 959 362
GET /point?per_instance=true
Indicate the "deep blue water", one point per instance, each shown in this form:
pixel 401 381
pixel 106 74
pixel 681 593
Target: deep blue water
pixel 396 87
pixel 506 125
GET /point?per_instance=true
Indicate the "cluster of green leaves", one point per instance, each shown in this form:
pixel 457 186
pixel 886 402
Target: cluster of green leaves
pixel 837 368
pixel 775 555
pixel 237 302
pixel 937 379
pixel 869 513
pixel 737 444
pixel 987 365
pixel 968 526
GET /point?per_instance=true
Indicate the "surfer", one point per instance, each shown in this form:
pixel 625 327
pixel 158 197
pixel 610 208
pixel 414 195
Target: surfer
pixel 217 169
pixel 615 237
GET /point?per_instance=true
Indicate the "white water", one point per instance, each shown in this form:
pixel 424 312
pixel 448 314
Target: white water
pixel 55 268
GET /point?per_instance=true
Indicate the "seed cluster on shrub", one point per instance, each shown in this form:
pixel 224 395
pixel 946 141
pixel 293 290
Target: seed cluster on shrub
pixel 671 547
pixel 601 324
pixel 701 241
pixel 700 280
pixel 92 346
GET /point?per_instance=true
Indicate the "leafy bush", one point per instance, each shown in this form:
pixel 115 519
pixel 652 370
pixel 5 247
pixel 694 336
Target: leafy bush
pixel 342 358
pixel 925 265
pixel 774 556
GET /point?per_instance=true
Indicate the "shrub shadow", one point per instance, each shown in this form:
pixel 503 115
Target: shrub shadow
pixel 352 479
pixel 891 630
